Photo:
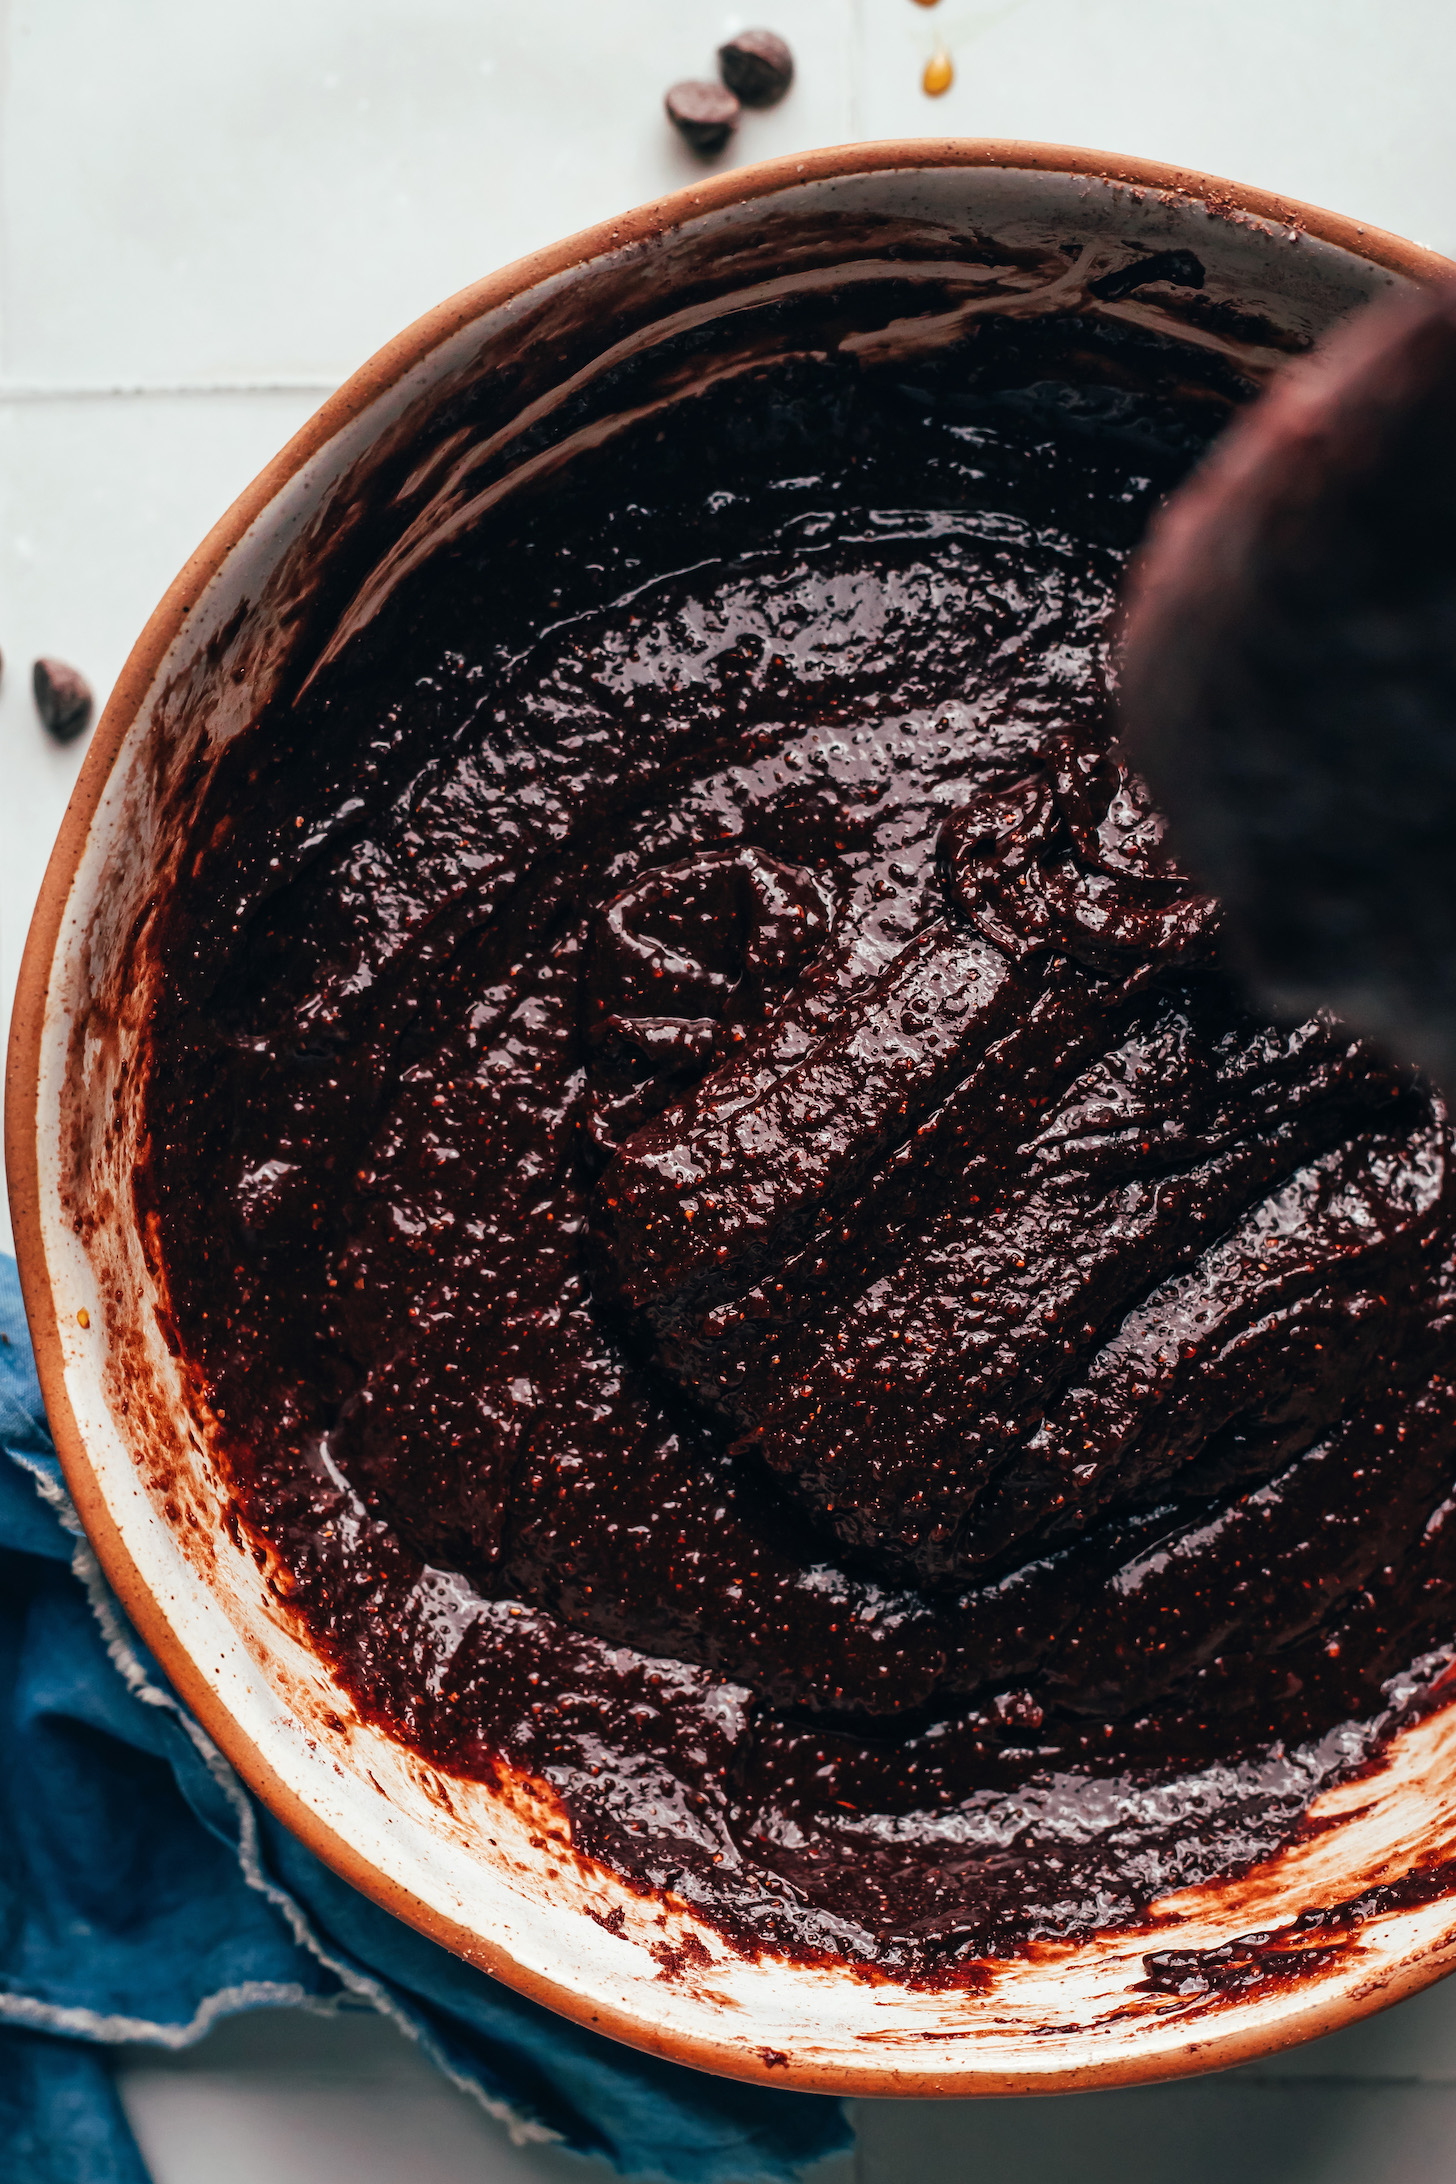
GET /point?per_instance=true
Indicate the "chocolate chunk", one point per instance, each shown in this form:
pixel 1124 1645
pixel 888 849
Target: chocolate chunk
pixel 704 114
pixel 62 697
pixel 757 67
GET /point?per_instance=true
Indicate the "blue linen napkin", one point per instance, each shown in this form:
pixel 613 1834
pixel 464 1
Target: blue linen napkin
pixel 144 1895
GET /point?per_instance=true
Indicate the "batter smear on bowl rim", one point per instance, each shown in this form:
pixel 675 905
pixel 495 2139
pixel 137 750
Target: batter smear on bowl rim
pixel 746 1255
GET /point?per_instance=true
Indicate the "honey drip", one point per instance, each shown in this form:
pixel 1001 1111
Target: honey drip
pixel 939 74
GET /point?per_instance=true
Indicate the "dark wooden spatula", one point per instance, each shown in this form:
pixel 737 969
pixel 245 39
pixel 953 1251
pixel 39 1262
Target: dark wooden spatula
pixel 1288 679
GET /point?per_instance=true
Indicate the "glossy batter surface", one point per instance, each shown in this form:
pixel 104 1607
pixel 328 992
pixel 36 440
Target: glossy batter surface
pixel 746 1257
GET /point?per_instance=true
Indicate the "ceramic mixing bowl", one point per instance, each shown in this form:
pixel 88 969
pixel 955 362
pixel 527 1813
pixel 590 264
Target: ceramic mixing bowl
pixel 492 1872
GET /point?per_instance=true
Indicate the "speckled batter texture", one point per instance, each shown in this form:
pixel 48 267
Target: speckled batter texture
pixel 746 1256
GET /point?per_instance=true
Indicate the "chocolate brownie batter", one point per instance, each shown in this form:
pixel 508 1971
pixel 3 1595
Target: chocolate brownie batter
pixel 746 1257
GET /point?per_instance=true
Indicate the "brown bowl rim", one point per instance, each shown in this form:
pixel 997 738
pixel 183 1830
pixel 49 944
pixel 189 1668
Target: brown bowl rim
pixel 22 1085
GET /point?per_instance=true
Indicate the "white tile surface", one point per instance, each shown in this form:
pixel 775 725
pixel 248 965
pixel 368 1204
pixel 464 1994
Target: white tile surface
pixel 1200 2134
pixel 1343 102
pixel 101 502
pixel 248 200
pixel 275 190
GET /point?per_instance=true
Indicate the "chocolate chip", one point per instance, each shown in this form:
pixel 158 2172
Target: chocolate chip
pixel 704 113
pixel 62 697
pixel 757 66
